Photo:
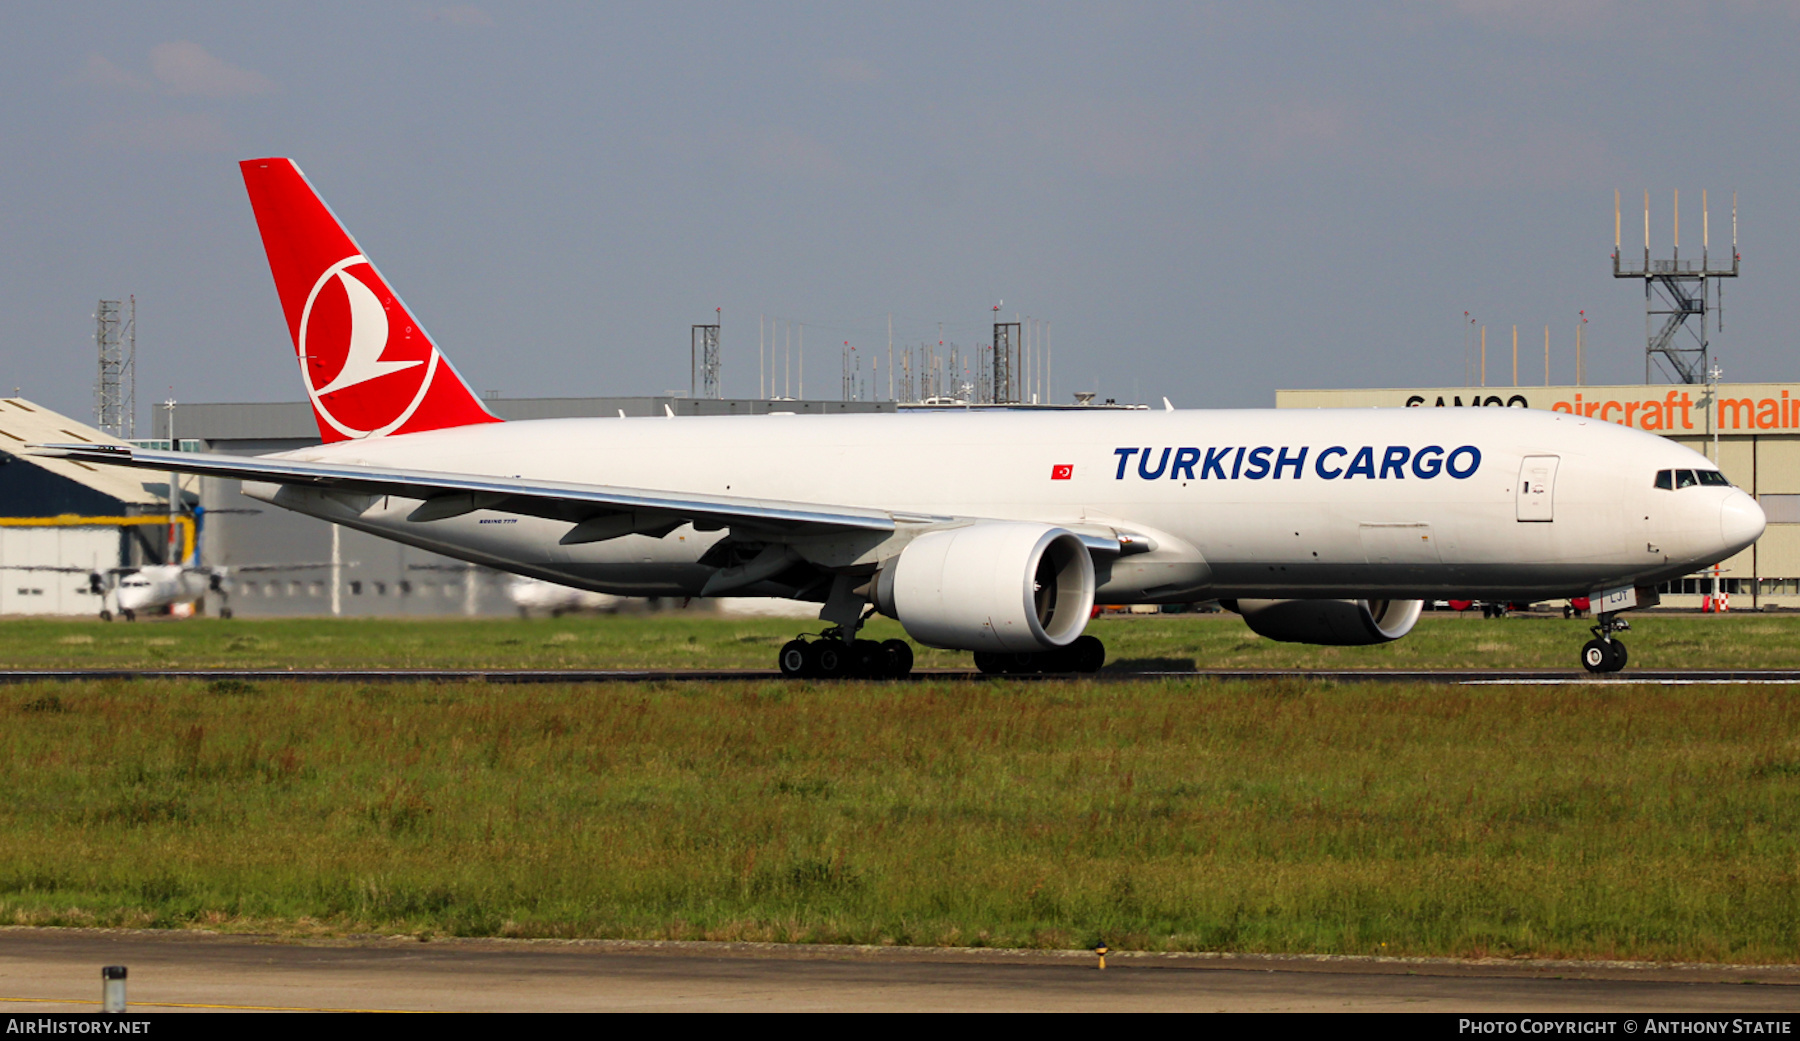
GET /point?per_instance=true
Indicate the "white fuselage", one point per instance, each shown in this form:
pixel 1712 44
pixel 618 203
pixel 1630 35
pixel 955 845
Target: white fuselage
pixel 1416 503
pixel 160 585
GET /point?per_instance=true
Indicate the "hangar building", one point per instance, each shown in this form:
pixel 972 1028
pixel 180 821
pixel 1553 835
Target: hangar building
pixel 58 513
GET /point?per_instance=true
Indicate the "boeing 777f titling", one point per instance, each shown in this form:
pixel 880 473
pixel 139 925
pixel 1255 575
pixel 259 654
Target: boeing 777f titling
pixel 1327 526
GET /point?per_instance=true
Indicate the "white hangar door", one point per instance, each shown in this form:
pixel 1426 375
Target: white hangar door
pixel 1537 488
pixel 25 591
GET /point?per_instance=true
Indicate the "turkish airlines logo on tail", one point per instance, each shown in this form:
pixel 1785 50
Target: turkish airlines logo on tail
pixel 366 366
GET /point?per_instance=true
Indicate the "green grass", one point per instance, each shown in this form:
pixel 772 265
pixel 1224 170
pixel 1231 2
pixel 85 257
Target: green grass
pixel 1619 822
pixel 701 641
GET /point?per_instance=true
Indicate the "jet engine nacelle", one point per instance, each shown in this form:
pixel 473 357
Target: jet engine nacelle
pixel 1004 586
pixel 1339 623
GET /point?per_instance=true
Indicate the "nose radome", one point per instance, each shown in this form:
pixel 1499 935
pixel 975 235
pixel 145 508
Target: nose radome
pixel 1741 520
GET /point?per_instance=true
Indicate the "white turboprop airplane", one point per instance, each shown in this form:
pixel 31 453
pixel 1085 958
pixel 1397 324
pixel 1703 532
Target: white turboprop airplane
pixel 151 587
pixel 531 594
pixel 1324 526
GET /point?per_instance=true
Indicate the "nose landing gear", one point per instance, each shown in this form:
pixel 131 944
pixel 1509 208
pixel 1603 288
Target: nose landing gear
pixel 1603 653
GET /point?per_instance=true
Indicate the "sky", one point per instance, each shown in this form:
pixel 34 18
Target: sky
pixel 1206 201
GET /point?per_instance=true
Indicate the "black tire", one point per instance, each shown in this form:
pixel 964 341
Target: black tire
pixel 106 616
pixel 831 659
pixel 130 616
pixel 899 658
pixel 992 663
pixel 793 659
pixel 1619 655
pixel 868 660
pixel 225 613
pixel 1597 656
pixel 1087 653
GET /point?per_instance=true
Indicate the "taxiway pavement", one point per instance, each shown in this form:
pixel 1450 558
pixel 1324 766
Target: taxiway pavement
pixel 58 970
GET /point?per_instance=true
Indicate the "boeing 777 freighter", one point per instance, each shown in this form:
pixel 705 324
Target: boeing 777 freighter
pixel 1328 526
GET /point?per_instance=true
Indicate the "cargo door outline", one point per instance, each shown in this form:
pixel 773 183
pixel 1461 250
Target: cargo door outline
pixel 1537 488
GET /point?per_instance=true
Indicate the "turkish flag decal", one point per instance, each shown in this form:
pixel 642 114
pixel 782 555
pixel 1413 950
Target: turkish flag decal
pixel 1062 472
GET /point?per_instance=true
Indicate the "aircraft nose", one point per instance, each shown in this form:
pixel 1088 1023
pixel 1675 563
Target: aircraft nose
pixel 1741 520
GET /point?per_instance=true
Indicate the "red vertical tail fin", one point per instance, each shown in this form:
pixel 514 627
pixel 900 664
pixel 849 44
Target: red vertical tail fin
pixel 369 367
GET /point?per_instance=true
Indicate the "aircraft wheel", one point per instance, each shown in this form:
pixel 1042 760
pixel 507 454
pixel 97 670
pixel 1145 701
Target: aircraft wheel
pixel 993 664
pixel 1087 653
pixel 106 616
pixel 899 658
pixel 130 615
pixel 1619 655
pixel 868 660
pixel 1597 656
pixel 225 613
pixel 793 659
pixel 831 659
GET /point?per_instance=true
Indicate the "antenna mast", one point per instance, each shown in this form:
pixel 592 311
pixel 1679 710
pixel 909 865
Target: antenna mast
pixel 115 389
pixel 1676 291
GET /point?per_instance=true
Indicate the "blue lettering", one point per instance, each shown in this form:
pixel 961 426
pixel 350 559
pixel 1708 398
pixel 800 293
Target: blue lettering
pixel 1124 455
pixel 1364 464
pixel 1474 455
pixel 1213 467
pixel 1394 459
pixel 1259 463
pixel 1319 466
pixel 1160 466
pixel 1237 464
pixel 1297 462
pixel 1426 468
pixel 1185 458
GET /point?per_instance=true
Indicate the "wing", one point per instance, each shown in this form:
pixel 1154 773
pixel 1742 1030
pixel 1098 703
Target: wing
pixel 66 569
pixel 450 495
pixel 234 569
pixel 599 511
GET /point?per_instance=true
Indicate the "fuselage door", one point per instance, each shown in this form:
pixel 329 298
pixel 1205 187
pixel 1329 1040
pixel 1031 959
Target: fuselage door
pixel 1537 488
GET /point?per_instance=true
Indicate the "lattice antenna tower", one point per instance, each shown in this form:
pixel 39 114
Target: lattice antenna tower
pixel 1676 291
pixel 1006 363
pixel 115 388
pixel 703 361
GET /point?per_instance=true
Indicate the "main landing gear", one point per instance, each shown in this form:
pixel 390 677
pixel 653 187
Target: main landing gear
pixel 1603 653
pixel 1085 654
pixel 835 655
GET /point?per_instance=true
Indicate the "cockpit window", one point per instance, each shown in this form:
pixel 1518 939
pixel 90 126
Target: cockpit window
pixel 1669 480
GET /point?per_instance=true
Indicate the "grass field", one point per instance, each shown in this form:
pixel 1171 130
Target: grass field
pixel 672 640
pixel 1620 822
